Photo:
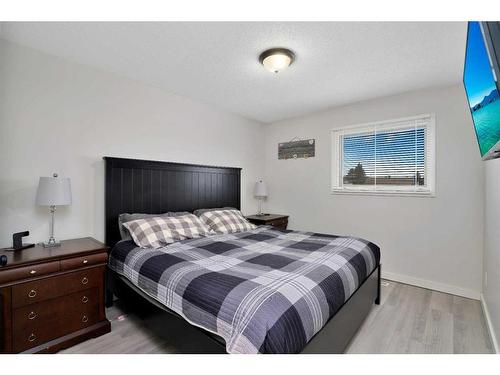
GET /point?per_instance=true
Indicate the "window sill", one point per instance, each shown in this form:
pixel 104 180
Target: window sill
pixel 388 193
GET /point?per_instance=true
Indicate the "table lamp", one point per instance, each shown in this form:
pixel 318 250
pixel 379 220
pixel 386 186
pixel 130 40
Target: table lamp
pixel 53 191
pixel 260 192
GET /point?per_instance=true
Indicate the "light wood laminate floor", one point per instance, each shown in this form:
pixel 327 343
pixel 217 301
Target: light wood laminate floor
pixel 408 320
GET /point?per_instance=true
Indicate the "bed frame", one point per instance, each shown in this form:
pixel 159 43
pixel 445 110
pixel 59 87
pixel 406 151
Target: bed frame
pixel 145 186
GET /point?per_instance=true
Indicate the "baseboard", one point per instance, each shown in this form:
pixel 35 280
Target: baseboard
pixel 491 330
pixel 428 284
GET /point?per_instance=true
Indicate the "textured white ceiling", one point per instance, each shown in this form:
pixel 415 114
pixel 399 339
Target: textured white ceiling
pixel 217 63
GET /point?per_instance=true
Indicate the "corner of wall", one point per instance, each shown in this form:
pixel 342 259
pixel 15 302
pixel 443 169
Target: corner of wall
pixel 489 325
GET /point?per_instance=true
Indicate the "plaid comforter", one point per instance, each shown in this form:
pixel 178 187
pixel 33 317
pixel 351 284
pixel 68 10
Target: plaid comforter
pixel 263 291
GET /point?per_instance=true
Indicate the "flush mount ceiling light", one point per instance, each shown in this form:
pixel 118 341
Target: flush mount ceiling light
pixel 276 59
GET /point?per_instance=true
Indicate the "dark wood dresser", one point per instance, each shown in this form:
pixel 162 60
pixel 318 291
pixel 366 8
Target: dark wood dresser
pixel 278 221
pixel 52 298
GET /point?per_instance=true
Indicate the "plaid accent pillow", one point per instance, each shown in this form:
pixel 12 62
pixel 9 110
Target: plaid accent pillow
pixel 155 232
pixel 226 221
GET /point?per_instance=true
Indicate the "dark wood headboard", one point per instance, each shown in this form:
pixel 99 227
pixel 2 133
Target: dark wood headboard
pixel 146 186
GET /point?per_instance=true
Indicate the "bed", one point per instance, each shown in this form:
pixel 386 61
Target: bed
pixel 259 291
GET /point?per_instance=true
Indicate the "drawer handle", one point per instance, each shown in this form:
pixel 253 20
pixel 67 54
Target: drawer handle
pixel 85 319
pixel 32 337
pixel 85 299
pixel 32 315
pixel 85 261
pixel 85 281
pixel 32 293
pixel 32 272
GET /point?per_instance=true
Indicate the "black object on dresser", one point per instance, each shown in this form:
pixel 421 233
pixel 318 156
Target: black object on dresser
pixel 17 241
pixel 51 299
pixel 278 221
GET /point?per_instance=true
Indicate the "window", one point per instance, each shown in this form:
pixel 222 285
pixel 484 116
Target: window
pixel 388 157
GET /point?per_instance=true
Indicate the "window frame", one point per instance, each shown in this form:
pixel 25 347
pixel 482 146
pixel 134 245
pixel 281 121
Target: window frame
pixel 336 170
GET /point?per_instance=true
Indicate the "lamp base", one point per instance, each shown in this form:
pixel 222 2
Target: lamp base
pixel 51 243
pixel 262 214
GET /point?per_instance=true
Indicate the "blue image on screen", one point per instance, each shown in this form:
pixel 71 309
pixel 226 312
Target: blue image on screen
pixel 482 91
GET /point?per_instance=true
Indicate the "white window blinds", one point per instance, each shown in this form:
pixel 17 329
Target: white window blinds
pixel 392 156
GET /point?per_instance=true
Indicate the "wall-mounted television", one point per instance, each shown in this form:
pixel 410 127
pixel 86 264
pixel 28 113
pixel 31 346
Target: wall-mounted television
pixel 481 74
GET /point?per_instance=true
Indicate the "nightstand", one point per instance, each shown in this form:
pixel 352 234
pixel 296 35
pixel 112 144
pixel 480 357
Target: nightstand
pixel 52 298
pixel 278 221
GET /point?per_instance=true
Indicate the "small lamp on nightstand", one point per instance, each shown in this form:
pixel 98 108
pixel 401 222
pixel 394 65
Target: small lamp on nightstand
pixel 260 192
pixel 53 191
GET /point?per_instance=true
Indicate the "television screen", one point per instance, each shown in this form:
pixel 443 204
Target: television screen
pixel 482 92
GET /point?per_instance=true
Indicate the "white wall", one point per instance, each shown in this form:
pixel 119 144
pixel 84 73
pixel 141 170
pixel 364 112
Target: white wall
pixel 491 288
pixel 433 242
pixel 60 116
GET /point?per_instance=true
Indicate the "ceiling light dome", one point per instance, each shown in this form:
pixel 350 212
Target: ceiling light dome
pixel 276 59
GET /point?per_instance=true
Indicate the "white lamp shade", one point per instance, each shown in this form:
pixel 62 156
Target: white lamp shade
pixel 53 191
pixel 260 190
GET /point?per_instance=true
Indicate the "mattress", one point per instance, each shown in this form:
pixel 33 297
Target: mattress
pixel 262 291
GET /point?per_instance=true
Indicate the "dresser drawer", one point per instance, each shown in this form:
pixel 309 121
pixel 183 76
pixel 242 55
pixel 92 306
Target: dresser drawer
pixel 57 286
pixel 279 223
pixel 50 312
pixel 33 325
pixel 73 263
pixel 28 271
